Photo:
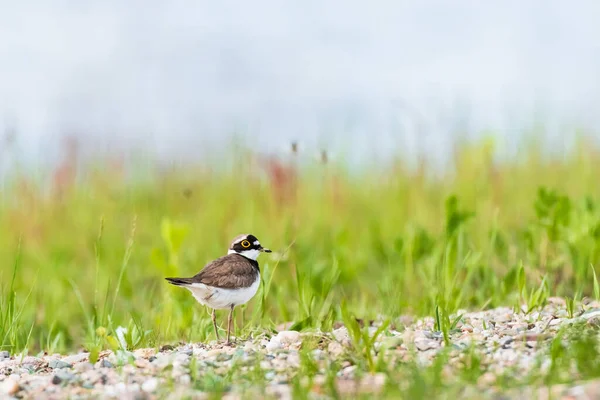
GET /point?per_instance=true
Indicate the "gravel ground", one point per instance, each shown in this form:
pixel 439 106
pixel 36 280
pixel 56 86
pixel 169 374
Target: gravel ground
pixel 506 340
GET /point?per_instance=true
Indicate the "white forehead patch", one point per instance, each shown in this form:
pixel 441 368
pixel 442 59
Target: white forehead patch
pixel 239 239
pixel 256 242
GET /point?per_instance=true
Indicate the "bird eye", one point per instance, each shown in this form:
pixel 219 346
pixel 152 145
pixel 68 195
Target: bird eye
pixel 245 244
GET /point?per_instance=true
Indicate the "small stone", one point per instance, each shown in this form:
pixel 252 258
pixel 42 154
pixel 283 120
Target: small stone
pixel 487 379
pixel 342 336
pixel 349 372
pixel 58 364
pixel 4 354
pixel 274 344
pixel 562 314
pixel 270 375
pixel 84 366
pixel 462 345
pixel 335 349
pixel 392 342
pixel 373 383
pixel 318 354
pixel 61 376
pixel 145 353
pixel 10 387
pixel 187 351
pixel 77 358
pixel 523 328
pixel 163 360
pixel 424 344
pixel 503 318
pixel 142 363
pixel 181 359
pixel 104 363
pixel 288 337
pixel 591 313
pixel 150 385
pixel 223 357
pixel 29 363
pixel 594 322
pixel 166 347
pixel 433 335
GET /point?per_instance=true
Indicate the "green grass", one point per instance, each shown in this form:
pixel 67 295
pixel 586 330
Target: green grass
pixel 81 259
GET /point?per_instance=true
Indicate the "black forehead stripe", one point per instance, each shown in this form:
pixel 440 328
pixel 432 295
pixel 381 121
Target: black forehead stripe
pixel 252 245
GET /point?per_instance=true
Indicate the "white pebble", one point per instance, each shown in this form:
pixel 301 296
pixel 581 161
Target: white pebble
pixel 10 387
pixel 288 337
pixel 341 335
pixel 274 344
pixel 335 349
pixel 77 358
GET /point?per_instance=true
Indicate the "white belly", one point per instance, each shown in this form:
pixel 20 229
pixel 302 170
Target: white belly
pixel 223 298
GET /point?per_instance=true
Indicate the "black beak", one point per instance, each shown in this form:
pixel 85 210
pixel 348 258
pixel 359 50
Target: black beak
pixel 263 249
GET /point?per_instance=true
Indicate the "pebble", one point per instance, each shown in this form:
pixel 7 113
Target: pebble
pixel 84 366
pixel 62 376
pixel 57 364
pixel 373 383
pixel 424 344
pixel 150 385
pixel 335 349
pixel 10 386
pixel 342 336
pixel 507 340
pixel 187 351
pixel 288 337
pixel 274 344
pixel 77 358
pixel 145 353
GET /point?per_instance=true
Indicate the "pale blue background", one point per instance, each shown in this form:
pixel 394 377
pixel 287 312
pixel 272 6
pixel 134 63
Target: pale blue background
pixel 178 77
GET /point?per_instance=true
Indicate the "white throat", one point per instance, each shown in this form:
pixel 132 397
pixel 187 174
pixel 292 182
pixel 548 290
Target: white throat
pixel 251 254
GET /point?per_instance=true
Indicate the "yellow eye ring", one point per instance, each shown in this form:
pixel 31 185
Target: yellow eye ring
pixel 245 244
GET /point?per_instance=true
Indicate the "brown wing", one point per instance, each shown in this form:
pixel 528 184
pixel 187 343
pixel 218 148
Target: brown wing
pixel 228 272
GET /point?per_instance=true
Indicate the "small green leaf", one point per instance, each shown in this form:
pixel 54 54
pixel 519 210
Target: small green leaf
pixel 112 342
pixel 94 354
pixel 300 325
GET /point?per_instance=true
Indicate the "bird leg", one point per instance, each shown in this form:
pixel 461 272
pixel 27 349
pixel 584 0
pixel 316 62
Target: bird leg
pixel 214 321
pixel 229 323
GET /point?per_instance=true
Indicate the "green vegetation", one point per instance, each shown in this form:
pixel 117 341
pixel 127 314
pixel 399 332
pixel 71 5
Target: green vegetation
pixel 80 259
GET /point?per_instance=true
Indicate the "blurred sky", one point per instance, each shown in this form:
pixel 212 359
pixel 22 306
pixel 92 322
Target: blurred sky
pixel 179 77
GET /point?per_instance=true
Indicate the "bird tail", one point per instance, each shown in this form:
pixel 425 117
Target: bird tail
pixel 179 281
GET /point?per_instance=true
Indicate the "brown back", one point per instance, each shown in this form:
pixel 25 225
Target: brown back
pixel 228 272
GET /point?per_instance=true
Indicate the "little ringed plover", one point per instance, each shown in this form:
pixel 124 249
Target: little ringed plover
pixel 228 281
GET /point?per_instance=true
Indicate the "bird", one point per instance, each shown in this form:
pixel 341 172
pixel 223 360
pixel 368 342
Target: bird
pixel 227 281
